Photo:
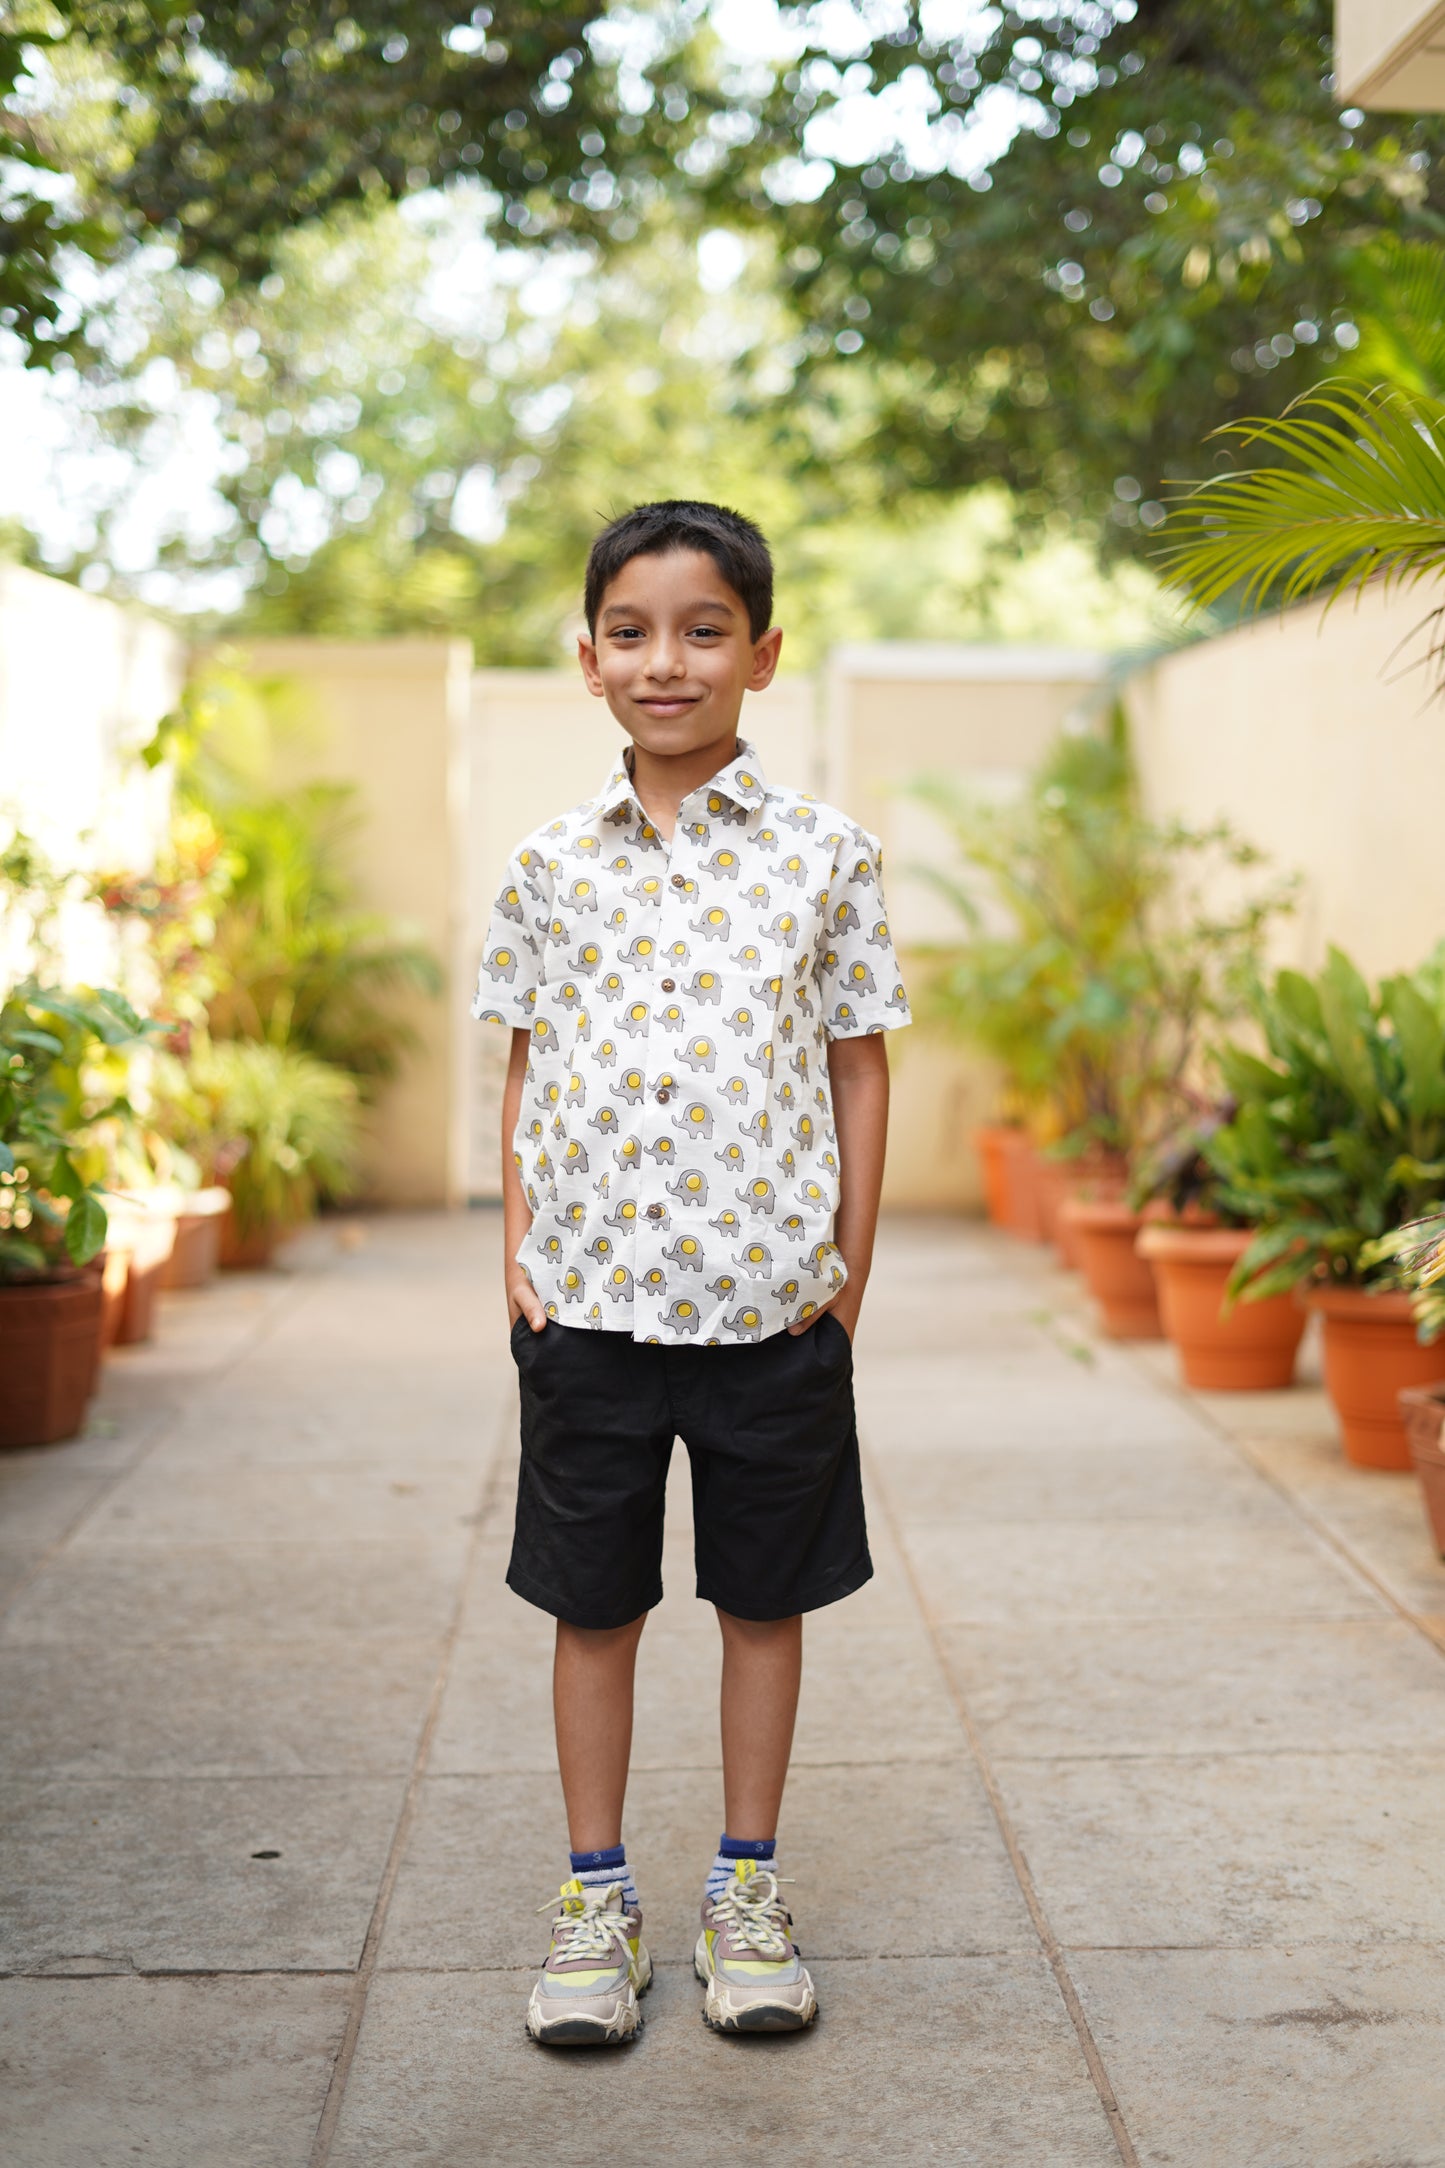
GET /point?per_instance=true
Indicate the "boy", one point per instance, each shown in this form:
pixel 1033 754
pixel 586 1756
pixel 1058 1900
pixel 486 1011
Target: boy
pixel 697 969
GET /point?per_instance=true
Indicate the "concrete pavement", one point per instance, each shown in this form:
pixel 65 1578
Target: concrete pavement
pixel 1116 1819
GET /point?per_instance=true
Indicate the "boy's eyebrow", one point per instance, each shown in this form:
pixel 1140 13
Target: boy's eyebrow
pixel 624 609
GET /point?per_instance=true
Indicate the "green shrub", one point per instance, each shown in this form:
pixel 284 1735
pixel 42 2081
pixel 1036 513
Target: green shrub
pixel 1338 1138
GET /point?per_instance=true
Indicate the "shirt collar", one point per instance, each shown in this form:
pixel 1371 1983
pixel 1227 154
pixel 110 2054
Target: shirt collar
pixel 742 780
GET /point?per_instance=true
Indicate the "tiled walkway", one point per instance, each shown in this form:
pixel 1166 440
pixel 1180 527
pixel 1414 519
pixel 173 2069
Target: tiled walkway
pixel 1117 1820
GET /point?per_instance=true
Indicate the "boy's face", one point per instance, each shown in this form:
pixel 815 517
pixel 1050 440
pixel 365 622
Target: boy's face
pixel 672 655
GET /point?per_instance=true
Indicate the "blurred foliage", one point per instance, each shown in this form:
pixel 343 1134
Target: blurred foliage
pixel 1338 1138
pixel 1183 231
pixel 57 1086
pixel 176 908
pixel 1094 958
pixel 419 434
pixel 1361 497
pixel 279 1127
pixel 1044 249
pixel 220 131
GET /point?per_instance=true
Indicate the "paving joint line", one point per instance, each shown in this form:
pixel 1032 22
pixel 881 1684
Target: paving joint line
pixel 1048 1942
pixel 1336 1544
pixel 368 1964
pixel 250 1341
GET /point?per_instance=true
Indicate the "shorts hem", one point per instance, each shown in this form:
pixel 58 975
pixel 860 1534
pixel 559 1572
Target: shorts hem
pixel 816 1599
pixel 571 1614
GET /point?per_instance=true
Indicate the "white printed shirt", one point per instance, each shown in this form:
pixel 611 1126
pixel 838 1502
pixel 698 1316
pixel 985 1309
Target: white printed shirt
pixel 676 1140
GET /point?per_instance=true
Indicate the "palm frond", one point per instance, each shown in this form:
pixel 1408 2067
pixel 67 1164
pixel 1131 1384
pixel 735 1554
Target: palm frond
pixel 1361 496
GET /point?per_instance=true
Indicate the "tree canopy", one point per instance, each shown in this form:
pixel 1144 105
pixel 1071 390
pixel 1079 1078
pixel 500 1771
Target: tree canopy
pixel 1048 247
pixel 1183 230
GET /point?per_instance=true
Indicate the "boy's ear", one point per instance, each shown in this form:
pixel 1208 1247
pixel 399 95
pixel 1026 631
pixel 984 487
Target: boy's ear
pixel 587 656
pixel 765 660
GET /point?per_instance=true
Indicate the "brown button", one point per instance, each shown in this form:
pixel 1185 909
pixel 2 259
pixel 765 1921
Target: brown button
pixel 654 1211
pixel 663 1097
pixel 669 986
pixel 679 880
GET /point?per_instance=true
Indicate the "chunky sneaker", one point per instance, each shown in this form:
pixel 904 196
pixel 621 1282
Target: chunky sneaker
pixel 586 1994
pixel 747 1959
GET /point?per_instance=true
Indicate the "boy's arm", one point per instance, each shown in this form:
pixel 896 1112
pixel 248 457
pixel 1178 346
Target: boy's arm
pixel 522 1297
pixel 858 1075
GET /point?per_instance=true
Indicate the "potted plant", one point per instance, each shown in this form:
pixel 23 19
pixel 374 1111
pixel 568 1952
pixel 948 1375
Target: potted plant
pixel 1337 1142
pixel 1092 938
pixel 52 1218
pixel 1192 1244
pixel 278 1128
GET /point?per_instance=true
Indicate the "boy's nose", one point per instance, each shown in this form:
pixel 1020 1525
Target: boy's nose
pixel 665 661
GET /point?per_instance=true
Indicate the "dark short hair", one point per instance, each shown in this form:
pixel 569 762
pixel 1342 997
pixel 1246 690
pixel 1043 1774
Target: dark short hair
pixel 734 544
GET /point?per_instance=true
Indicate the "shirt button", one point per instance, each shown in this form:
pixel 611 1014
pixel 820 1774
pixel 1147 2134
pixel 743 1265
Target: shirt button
pixel 679 880
pixel 654 1211
pixel 663 1097
pixel 669 986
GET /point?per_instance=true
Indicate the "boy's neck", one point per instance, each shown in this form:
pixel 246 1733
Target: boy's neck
pixel 663 780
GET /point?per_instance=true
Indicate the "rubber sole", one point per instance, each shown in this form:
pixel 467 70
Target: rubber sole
pixel 757 2017
pixel 581 2031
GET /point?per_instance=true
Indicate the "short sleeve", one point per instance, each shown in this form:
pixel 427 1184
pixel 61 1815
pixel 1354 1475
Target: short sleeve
pixel 511 966
pixel 858 971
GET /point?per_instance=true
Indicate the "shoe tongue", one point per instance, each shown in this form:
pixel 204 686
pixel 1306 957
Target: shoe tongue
pixel 575 1898
pixel 745 1870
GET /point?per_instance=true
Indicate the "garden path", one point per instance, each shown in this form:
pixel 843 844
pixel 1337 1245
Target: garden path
pixel 1115 1822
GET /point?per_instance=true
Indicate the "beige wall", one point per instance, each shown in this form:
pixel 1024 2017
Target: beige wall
pixel 979 717
pixel 390 716
pixel 83 684
pixel 1316 745
pixel 1390 54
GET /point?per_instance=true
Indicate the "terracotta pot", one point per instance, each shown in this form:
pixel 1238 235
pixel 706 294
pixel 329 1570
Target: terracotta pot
pixel 1053 1188
pixel 989 1142
pixel 114 1274
pixel 1021 1186
pixel 49 1353
pixel 1249 1349
pixel 1096 1174
pixel 1371 1356
pixel 1422 1408
pixel 197 1253
pixel 1105 1231
pixel 246 1253
pixel 142 1236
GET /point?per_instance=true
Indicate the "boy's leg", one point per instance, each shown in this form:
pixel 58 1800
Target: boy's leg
pixel 592 1675
pixel 762 1669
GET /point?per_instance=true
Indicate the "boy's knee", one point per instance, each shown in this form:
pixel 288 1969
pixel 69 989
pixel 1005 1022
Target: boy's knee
pixel 757 1629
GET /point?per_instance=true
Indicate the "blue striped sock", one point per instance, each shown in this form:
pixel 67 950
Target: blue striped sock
pixel 729 1851
pixel 599 1870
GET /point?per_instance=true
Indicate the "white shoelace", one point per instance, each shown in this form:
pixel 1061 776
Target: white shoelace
pixel 756 1914
pixel 592 1931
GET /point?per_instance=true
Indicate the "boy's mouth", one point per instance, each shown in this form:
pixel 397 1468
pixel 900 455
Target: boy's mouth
pixel 663 705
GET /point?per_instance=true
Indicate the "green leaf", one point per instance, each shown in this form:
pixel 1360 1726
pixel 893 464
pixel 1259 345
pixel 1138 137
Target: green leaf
pixel 1294 1239
pixel 85 1228
pixel 43 1039
pixel 7 1158
pixel 1246 1076
pixel 63 1181
pixel 1420 1036
pixel 1362 496
pixel 1349 1027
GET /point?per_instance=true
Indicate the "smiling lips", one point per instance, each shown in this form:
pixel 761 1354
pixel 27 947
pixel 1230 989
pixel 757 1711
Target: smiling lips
pixel 668 704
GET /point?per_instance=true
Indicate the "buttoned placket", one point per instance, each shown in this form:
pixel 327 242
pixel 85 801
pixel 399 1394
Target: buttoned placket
pixel 654 1216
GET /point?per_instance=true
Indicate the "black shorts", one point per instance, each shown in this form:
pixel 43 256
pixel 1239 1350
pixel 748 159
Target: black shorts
pixel 776 1492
